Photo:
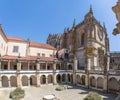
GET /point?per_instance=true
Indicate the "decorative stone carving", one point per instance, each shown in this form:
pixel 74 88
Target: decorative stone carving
pixel 116 10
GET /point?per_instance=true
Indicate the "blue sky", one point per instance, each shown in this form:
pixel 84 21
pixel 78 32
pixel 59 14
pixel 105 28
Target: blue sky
pixel 35 19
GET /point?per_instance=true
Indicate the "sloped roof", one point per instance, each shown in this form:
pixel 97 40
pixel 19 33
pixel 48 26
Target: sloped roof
pixel 41 45
pixel 10 38
pixel 2 33
pixel 28 58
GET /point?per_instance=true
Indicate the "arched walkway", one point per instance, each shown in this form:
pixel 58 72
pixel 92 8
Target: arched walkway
pixel 100 82
pixel 24 81
pixel 43 79
pixel 69 67
pixel 33 80
pixel 83 79
pixel 113 84
pixel 13 81
pixel 5 81
pixel 92 81
pixel 63 77
pixel 58 78
pixel 78 79
pixel 50 79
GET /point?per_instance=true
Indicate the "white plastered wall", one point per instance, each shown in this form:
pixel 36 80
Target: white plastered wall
pixel 34 51
pixel 3 45
pixel 21 51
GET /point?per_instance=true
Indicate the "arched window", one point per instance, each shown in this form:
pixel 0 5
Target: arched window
pixel 82 39
pixel 78 43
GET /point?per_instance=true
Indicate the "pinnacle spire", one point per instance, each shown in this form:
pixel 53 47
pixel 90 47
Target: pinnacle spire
pixel 104 25
pixel 74 22
pixel 91 11
pixel 64 29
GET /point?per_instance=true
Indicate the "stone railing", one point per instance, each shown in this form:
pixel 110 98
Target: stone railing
pixel 96 72
pixel 114 72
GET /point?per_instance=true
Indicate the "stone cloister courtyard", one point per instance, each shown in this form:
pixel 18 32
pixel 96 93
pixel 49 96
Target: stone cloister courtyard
pixel 72 93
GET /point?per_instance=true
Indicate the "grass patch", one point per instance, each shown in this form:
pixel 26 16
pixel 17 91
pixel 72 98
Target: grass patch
pixel 61 87
pixel 17 94
pixel 93 96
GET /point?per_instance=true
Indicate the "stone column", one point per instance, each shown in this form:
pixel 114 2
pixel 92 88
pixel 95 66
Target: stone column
pixel 0 82
pixel 60 78
pixel 87 72
pixel 29 82
pixel 88 64
pixel 46 80
pixel 66 78
pixel 46 65
pixel 8 64
pixel 9 83
pixel 38 80
pixel 74 70
pixel 28 66
pixel 19 84
pixel 18 74
pixel 18 66
pixel 87 80
pixel 54 74
pixel 96 83
pixel 105 84
pixel 37 74
pixel 0 65
pixel 60 66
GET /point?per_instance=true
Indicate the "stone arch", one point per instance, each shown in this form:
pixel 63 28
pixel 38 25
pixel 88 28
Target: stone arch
pixel 113 84
pixel 83 79
pixel 78 79
pixel 43 79
pixel 70 67
pixel 13 81
pixel 24 81
pixel 92 81
pixel 33 80
pixel 100 82
pixel 50 79
pixel 5 81
pixel 68 77
pixel 63 77
pixel 58 78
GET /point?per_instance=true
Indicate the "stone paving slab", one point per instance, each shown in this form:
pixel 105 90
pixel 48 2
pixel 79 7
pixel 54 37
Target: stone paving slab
pixel 37 93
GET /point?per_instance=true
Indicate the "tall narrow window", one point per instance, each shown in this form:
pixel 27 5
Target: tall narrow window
pixel 43 55
pixel 82 39
pixel 38 54
pixel 15 49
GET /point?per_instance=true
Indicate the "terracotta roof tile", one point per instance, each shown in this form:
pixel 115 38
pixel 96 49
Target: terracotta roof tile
pixel 31 44
pixel 10 38
pixel 41 45
pixel 28 58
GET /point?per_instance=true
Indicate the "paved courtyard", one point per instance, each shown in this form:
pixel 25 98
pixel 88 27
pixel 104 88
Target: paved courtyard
pixel 73 93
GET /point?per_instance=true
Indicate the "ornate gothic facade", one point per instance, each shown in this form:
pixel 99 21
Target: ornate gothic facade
pixel 87 41
pixel 86 47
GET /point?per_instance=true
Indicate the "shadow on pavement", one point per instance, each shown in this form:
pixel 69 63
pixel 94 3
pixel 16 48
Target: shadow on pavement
pixel 107 96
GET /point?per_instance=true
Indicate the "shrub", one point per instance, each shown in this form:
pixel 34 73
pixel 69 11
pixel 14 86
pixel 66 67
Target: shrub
pixel 17 94
pixel 61 87
pixel 93 96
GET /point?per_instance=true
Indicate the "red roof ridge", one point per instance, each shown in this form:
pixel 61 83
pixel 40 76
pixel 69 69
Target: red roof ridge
pixel 12 38
pixel 41 45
